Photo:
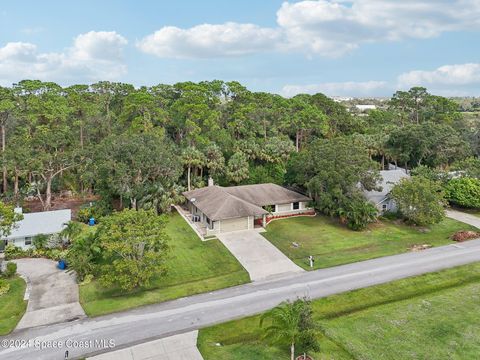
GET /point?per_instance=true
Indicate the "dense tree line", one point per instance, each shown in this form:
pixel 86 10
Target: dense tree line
pixel 143 146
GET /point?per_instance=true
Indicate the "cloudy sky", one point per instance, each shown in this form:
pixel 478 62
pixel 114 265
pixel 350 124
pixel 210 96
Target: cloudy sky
pixel 339 47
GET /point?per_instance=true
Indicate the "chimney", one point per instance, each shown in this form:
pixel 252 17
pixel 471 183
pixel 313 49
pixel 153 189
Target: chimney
pixel 18 210
pixel 210 181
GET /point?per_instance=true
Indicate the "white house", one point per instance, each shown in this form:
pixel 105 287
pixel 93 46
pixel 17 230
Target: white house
pixel 33 224
pixel 381 199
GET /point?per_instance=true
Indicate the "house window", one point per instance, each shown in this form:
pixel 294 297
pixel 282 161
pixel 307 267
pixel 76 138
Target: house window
pixel 209 222
pixel 296 205
pixel 384 207
pixel 28 241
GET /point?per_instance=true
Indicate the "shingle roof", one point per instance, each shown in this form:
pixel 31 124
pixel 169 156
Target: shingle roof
pixel 238 201
pixel 217 204
pixel 47 222
pixel 389 179
pixel 266 194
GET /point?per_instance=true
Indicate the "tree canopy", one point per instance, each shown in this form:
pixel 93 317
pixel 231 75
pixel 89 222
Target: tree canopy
pixel 142 147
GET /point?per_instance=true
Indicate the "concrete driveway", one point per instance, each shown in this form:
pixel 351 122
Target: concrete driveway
pixel 464 217
pixel 257 255
pixel 52 293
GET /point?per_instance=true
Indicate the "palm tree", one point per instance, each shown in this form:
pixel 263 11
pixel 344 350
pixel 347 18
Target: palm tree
pixel 284 323
pixel 192 158
pixel 71 230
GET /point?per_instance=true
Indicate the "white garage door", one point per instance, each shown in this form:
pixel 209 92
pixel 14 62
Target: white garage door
pixel 234 224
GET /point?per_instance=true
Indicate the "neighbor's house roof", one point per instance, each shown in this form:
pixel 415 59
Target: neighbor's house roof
pixel 238 201
pixel 389 179
pixel 47 222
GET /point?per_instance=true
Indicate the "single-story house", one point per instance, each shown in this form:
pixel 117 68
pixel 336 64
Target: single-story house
pixel 225 209
pixel 381 199
pixel 33 224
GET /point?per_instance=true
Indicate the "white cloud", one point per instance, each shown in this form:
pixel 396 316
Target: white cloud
pixel 349 88
pixel 93 56
pixel 322 27
pixel 332 28
pixel 204 41
pixel 462 74
pixel 458 79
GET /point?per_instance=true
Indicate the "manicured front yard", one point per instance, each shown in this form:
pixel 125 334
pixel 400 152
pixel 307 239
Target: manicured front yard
pixel 433 316
pixel 12 305
pixel 193 267
pixel 333 244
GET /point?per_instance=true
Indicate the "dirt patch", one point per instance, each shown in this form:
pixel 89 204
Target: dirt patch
pixel 60 203
pixel 419 247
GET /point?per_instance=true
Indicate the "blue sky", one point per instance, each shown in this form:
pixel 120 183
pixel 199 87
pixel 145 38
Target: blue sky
pixel 340 47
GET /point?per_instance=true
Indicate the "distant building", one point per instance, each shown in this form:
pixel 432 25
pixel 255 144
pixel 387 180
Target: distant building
pixel 366 107
pixel 381 199
pixel 33 224
pixel 342 98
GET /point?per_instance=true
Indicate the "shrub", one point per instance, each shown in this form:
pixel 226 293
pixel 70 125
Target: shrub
pixel 391 215
pixel 464 192
pixel 40 241
pixel 97 210
pixel 358 213
pixel 4 287
pixel 10 270
pixel 13 252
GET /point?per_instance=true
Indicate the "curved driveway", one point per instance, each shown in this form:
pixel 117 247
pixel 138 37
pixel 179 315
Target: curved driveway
pixel 464 217
pixel 52 293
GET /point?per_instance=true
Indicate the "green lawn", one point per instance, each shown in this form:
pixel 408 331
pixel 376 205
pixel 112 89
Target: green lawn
pixel 12 305
pixel 194 267
pixel 333 244
pixel 433 316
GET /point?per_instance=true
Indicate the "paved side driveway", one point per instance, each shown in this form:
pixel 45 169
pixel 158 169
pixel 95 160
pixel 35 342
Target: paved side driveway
pixel 257 255
pixel 464 217
pixel 52 293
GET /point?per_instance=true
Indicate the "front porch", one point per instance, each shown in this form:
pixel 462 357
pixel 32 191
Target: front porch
pixel 198 226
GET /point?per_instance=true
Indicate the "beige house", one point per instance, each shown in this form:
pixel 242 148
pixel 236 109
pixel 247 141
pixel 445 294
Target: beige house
pixel 224 209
